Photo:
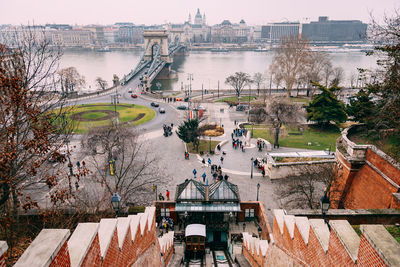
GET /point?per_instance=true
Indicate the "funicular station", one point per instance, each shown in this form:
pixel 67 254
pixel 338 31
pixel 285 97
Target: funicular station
pixel 209 221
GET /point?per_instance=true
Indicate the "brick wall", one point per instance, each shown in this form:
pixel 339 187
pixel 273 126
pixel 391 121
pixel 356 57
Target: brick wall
pixel 310 243
pixel 364 180
pixel 62 259
pixel 139 244
pixel 112 256
pixel 369 190
pixel 368 255
pixel 93 258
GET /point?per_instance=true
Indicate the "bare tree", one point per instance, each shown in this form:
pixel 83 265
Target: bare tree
pixel 352 79
pixel 314 69
pixel 31 129
pixel 338 75
pixel 327 73
pixel 281 111
pixel 290 60
pixel 258 79
pixel 70 80
pixel 306 189
pixel 101 84
pixel 238 81
pixel 258 115
pixel 120 163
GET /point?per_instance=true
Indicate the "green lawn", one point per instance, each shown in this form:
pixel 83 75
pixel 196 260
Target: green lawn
pixel 320 139
pixel 126 113
pixel 300 100
pixel 94 115
pixel 235 99
pixel 204 146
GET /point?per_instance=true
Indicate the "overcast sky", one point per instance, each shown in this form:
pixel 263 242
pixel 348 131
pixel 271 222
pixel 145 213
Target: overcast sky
pixel 254 12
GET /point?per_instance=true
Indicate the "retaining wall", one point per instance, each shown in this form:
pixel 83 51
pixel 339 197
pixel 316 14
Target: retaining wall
pixel 366 177
pixel 299 241
pixel 125 241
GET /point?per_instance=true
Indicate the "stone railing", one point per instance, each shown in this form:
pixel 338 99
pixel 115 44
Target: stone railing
pixel 351 149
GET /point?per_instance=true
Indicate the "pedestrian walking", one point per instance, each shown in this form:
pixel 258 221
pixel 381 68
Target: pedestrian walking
pixel 235 145
pixel 232 135
pixel 160 197
pixel 167 194
pixel 222 160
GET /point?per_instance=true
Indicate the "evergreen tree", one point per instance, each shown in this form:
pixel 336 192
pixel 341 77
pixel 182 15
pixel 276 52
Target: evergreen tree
pixel 325 107
pixel 188 132
pixel 362 107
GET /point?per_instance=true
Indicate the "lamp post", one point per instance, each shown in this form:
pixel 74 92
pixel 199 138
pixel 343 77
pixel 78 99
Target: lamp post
pixel 115 203
pixel 210 143
pixel 258 189
pixel 251 174
pixel 325 203
pixel 155 190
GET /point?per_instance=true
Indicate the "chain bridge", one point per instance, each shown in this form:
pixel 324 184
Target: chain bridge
pixel 160 46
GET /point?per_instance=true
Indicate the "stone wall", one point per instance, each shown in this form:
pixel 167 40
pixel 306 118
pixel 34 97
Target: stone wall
pixel 366 177
pixel 299 241
pixel 125 241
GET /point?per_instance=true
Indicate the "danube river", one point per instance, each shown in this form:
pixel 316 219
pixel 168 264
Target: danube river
pixel 207 67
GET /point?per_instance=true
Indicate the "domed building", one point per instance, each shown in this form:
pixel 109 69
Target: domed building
pixel 226 32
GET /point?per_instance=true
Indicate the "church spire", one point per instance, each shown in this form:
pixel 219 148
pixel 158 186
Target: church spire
pixel 190 19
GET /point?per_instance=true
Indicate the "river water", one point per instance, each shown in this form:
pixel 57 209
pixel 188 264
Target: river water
pixel 207 67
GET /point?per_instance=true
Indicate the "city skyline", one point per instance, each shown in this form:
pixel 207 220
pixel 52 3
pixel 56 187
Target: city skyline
pixel 256 12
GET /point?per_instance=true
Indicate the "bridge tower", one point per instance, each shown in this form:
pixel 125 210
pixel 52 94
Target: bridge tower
pixel 154 39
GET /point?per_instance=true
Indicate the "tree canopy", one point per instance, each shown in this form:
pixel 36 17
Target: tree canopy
pixel 362 107
pixel 189 132
pixel 325 107
pixel 238 81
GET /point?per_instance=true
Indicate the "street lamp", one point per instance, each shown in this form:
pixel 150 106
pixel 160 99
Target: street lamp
pixel 252 162
pixel 325 203
pixel 155 189
pixel 258 188
pixel 259 232
pixel 210 143
pixel 115 203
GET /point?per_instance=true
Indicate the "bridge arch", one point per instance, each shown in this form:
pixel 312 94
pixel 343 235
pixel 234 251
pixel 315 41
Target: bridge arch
pixel 154 38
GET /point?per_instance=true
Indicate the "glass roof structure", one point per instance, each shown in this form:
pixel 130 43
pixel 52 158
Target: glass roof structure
pixel 191 190
pixel 194 191
pixel 223 191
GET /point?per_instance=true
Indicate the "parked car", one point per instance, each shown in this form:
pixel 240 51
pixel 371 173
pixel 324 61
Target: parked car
pixel 178 99
pixel 134 95
pixel 130 91
pixel 182 107
pixel 154 104
pixel 242 107
pixel 161 110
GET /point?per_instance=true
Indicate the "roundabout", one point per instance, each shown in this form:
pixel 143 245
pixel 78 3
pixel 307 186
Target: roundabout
pixel 88 116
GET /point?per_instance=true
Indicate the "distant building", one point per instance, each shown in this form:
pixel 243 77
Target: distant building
pixel 58 26
pixel 226 32
pixel 274 32
pixel 72 38
pixel 98 34
pixel 325 30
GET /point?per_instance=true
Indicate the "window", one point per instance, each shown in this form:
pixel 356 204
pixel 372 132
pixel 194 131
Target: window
pixel 249 213
pixel 164 212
